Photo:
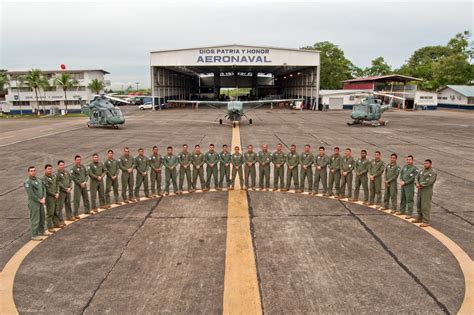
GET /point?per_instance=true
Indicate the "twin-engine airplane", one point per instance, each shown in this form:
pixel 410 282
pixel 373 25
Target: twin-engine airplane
pixel 235 109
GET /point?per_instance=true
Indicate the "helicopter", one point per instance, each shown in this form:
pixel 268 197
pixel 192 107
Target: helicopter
pixel 102 113
pixel 369 111
pixel 235 109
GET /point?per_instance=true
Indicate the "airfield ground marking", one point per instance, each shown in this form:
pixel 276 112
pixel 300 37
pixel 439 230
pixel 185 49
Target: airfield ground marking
pixel 241 289
pixel 241 293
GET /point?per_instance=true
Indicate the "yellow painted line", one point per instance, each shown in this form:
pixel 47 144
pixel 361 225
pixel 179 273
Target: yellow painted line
pixel 241 292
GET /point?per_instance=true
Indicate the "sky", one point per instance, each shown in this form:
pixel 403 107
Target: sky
pixel 118 36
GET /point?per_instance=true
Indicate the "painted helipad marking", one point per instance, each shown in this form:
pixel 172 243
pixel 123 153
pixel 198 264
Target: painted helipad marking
pixel 241 291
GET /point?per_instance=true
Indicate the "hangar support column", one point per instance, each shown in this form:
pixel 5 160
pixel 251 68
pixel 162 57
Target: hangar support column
pixel 217 85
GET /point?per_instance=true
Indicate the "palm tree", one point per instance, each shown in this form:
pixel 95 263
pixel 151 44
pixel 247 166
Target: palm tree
pixel 96 86
pixel 36 80
pixel 4 81
pixel 66 83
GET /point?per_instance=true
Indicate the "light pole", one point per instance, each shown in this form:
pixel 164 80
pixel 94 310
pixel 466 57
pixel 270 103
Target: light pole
pixel 137 85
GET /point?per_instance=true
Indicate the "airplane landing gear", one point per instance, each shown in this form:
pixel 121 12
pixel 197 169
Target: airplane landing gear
pixel 220 121
pixel 250 121
pixel 234 124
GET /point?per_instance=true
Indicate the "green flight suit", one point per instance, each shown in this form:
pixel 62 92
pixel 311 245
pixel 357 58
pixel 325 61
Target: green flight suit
pixel 156 162
pixel 212 168
pixel 426 178
pixel 391 175
pixel 347 165
pixel 64 201
pixel 292 162
pixel 224 168
pixel 279 160
pixel 35 190
pixel 321 173
pixel 237 162
pixel 361 169
pixel 126 163
pixel 376 170
pixel 184 159
pixel 79 176
pixel 264 159
pixel 51 186
pixel 407 191
pixel 170 162
pixel 198 170
pixel 96 170
pixel 112 169
pixel 306 160
pixel 142 166
pixel 335 174
pixel 250 159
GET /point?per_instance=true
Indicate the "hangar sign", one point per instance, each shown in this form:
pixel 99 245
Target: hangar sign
pixel 234 55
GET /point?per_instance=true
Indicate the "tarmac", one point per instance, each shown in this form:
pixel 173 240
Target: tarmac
pixel 311 254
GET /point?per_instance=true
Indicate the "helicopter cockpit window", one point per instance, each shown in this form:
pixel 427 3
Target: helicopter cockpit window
pixel 116 112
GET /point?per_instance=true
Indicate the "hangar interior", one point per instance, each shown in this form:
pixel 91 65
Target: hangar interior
pixel 201 73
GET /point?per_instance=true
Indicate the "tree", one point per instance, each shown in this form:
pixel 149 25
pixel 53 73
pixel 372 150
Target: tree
pixel 66 83
pixel 335 67
pixel 378 67
pixel 4 81
pixel 96 86
pixel 441 65
pixel 35 80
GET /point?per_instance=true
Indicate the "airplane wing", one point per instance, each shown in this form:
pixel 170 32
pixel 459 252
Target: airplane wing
pixel 260 103
pixel 212 104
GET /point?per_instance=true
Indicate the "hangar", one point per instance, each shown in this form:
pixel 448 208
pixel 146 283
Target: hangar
pixel 200 73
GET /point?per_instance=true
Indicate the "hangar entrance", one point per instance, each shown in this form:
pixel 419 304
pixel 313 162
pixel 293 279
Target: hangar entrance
pixel 268 72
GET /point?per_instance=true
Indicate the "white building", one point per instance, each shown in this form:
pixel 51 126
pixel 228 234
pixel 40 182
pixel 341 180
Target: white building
pixel 22 98
pixel 456 96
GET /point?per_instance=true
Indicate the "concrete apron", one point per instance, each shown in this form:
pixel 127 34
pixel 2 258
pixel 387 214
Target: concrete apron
pixel 241 288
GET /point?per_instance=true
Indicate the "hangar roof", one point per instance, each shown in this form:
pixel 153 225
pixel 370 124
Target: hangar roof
pixel 242 58
pixel 384 78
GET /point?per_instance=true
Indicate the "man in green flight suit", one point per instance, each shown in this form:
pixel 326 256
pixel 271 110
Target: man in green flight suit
pixel 237 162
pixel 424 183
pixel 212 161
pixel 36 199
pixel 292 162
pixel 184 158
pixel 250 159
pixel 79 177
pixel 198 167
pixel 306 161
pixel 321 172
pixel 142 166
pixel 347 166
pixel 170 162
pixel 335 173
pixel 407 187
pixel 361 168
pixel 375 180
pixel 96 172
pixel 224 166
pixel 279 160
pixel 264 158
pixel 126 164
pixel 392 170
pixel 112 170
pixel 65 188
pixel 156 162
pixel 52 195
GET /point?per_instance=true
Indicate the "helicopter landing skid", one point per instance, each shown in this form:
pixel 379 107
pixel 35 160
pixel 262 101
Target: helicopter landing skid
pixel 373 123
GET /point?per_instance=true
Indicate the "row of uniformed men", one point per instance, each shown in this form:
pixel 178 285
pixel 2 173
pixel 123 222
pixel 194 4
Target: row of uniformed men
pixel 299 170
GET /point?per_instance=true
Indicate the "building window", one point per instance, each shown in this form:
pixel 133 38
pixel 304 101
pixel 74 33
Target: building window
pixel 470 100
pixel 75 102
pixel 77 76
pixel 351 98
pixel 22 89
pixel 442 97
pixel 49 89
pixel 49 103
pixel 426 97
pixel 77 88
pixel 22 103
